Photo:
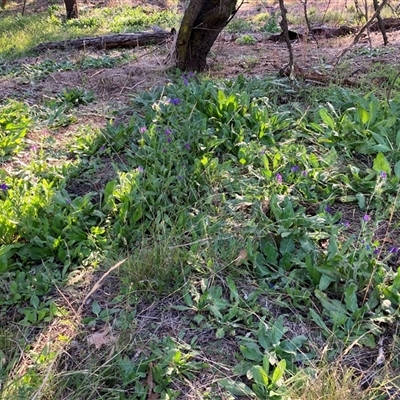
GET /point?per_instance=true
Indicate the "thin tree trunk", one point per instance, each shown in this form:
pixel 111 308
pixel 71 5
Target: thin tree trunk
pixel 380 23
pixel 285 30
pixel 71 7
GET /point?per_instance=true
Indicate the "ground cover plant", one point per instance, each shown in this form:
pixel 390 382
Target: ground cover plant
pixel 213 239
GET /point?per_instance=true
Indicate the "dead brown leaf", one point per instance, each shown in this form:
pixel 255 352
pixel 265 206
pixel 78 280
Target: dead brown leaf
pixel 101 337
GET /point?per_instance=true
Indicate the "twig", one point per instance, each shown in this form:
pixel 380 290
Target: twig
pixel 98 284
pixel 304 2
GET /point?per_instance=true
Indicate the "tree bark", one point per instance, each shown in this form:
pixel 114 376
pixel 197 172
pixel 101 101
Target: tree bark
pixel 72 9
pixel 202 22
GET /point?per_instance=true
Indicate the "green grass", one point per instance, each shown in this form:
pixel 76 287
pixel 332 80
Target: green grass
pixel 231 212
pixel 231 238
pixel 19 34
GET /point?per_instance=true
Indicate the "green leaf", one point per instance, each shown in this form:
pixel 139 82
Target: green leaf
pixel 332 247
pixel 34 301
pixel 251 351
pixel 326 118
pixel 361 200
pixel 363 114
pixel 259 375
pixel 350 297
pixel 236 388
pixel 381 164
pixel 96 308
pixel 287 245
pixel 220 333
pixel 318 320
pixel 279 370
pixel 233 295
pixel 397 169
pixel 263 336
pixel 277 330
pixel 325 281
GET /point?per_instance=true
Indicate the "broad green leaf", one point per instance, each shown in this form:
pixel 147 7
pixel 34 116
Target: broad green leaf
pixel 234 294
pixel 350 297
pixel 279 370
pixel 251 351
pixel 277 330
pixel 325 281
pixel 287 245
pixel 361 200
pixel 318 320
pixel 263 336
pixel 96 308
pixel 236 388
pixel 220 333
pixel 381 164
pixel 259 375
pixel 34 301
pixel 271 253
pixel 332 247
pixel 326 118
pixel 397 169
pixel 315 275
pixel 329 304
pixel 363 114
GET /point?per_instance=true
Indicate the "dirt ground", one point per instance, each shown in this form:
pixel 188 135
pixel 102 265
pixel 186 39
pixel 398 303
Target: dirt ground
pixel 228 58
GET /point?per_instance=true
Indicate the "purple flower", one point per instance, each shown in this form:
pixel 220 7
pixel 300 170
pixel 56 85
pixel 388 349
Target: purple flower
pixel 304 173
pixel 366 218
pixel 383 175
pixel 101 149
pixel 187 146
pixel 3 186
pixel 295 168
pixel 346 223
pixel 393 249
pixel 185 80
pixel 142 129
pixel 175 101
pixel 278 177
pixel 328 209
pixel 168 132
pixel 376 251
pixel 169 139
pixel 140 169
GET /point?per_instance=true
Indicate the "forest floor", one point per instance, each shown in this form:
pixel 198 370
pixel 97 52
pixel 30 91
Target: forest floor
pixel 239 50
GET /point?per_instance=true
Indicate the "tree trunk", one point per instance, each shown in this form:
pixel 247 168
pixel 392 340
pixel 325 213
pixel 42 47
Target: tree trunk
pixel 72 9
pixel 202 22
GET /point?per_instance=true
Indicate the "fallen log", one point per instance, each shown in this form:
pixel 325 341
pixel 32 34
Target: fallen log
pixel 123 40
pixel 390 24
pixel 324 31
